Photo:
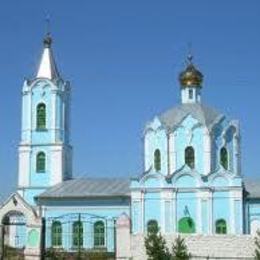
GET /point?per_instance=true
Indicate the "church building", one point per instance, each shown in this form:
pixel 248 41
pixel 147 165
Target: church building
pixel 191 182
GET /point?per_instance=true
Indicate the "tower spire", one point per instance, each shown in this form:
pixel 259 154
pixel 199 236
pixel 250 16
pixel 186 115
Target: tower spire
pixel 47 68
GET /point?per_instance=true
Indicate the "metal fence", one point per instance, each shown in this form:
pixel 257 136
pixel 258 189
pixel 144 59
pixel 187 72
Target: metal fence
pixel 80 234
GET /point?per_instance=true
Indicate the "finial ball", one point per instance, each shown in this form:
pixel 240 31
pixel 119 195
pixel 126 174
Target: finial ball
pixel 47 41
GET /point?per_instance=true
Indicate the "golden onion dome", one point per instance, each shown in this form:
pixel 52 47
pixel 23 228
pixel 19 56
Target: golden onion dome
pixel 191 76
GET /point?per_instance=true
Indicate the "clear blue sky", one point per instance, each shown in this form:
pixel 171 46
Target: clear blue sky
pixel 123 59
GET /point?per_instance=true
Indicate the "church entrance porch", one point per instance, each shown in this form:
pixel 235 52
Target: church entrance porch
pixel 13 235
pixel 20 230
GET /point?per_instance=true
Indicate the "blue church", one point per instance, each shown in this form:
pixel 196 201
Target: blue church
pixel 191 182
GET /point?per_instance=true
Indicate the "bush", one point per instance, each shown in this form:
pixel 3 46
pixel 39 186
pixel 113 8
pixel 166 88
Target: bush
pixel 257 244
pixel 155 246
pixel 60 254
pixel 180 250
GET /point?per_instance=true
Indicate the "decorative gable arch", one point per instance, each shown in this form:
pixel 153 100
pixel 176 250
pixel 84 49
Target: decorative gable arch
pixel 185 177
pixel 15 203
pixel 41 82
pixel 232 126
pixel 220 178
pixel 195 124
pixel 154 126
pixel 153 180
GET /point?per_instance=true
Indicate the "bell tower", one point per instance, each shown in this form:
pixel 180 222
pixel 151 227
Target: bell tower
pixel 45 153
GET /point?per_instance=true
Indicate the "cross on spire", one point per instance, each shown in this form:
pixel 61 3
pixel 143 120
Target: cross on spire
pixel 48 24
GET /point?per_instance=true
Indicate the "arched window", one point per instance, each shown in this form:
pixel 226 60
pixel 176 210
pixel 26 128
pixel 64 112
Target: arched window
pixel 152 226
pixel 190 157
pixel 221 226
pixel 56 234
pixel 224 157
pixel 41 117
pixel 157 160
pixel 41 162
pixel 99 233
pixel 186 225
pixel 77 234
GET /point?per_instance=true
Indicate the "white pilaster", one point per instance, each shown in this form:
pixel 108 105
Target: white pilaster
pixel 231 215
pixel 211 224
pixel 204 196
pixel 172 153
pixel 56 165
pixel 235 195
pixel 138 197
pixel 162 210
pixel 199 213
pixel 30 116
pixel 174 211
pixel 146 154
pixel 24 166
pixel 166 196
pixel 207 152
pixel 53 114
pixel 236 151
pixel 142 212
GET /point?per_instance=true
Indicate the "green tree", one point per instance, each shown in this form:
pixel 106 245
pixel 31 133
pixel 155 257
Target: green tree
pixel 180 250
pixel 155 245
pixel 257 244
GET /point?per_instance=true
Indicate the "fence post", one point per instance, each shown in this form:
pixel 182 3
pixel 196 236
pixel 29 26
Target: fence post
pixel 43 238
pixel 123 237
pixel 79 236
pixel 1 242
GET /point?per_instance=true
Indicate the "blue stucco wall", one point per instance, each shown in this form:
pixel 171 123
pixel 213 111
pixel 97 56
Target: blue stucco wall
pixel 186 206
pixel 221 208
pixel 152 207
